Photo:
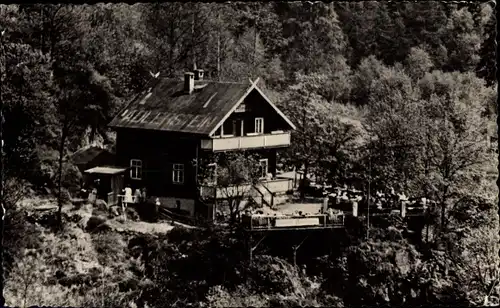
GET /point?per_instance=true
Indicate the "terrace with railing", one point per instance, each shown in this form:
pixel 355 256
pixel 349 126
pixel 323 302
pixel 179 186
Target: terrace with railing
pixel 258 222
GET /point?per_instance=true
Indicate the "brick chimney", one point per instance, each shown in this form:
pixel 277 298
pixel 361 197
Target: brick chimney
pixel 198 74
pixel 188 82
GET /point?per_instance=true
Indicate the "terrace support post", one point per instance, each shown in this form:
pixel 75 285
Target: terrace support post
pixel 295 248
pixel 124 209
pixel 403 209
pixel 325 205
pixel 354 208
pixel 252 248
pixel 295 177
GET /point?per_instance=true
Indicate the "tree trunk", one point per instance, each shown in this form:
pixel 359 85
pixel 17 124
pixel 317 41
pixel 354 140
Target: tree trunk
pixel 193 50
pixel 305 148
pixel 254 60
pixel 218 49
pixel 42 34
pixel 2 197
pixel 52 36
pixel 443 205
pixel 171 50
pixel 232 211
pixel 304 180
pixel 443 216
pixel 60 172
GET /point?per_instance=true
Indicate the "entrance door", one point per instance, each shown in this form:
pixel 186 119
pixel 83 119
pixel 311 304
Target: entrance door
pixel 264 167
pixel 117 181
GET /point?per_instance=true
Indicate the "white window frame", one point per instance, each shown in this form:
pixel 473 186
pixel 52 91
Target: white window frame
pixel 263 175
pixel 136 165
pixel 177 171
pixel 259 129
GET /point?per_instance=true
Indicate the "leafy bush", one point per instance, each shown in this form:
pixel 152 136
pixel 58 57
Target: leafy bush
pixel 108 296
pixel 110 247
pixel 219 296
pixel 381 270
pixel 274 276
pixel 95 223
pixel 132 214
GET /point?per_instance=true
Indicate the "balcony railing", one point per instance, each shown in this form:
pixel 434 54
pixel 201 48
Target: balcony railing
pixel 211 191
pixel 276 222
pixel 278 186
pixel 246 142
pixel 272 187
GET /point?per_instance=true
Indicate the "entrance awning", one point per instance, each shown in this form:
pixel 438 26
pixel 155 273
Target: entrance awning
pixel 105 170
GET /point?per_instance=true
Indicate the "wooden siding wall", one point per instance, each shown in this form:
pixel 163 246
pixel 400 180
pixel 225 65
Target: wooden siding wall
pixel 158 152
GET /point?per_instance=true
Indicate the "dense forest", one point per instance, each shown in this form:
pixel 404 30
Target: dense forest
pixel 401 94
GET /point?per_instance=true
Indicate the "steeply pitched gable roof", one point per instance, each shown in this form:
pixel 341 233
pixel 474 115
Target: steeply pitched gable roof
pixel 253 87
pixel 165 106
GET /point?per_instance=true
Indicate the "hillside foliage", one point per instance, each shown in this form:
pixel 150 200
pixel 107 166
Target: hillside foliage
pixel 399 94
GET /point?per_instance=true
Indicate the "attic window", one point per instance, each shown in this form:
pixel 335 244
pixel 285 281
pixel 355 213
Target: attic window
pixel 143 101
pixel 209 100
pixel 241 108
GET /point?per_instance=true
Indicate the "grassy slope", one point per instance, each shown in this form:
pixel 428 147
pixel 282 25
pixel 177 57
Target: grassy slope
pixel 74 267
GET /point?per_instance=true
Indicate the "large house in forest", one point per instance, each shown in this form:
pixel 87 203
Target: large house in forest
pixel 164 133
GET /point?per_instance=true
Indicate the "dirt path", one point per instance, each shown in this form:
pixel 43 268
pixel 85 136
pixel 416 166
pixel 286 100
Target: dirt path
pixel 87 210
pixel 139 226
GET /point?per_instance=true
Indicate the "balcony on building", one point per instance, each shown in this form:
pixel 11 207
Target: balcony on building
pixel 274 139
